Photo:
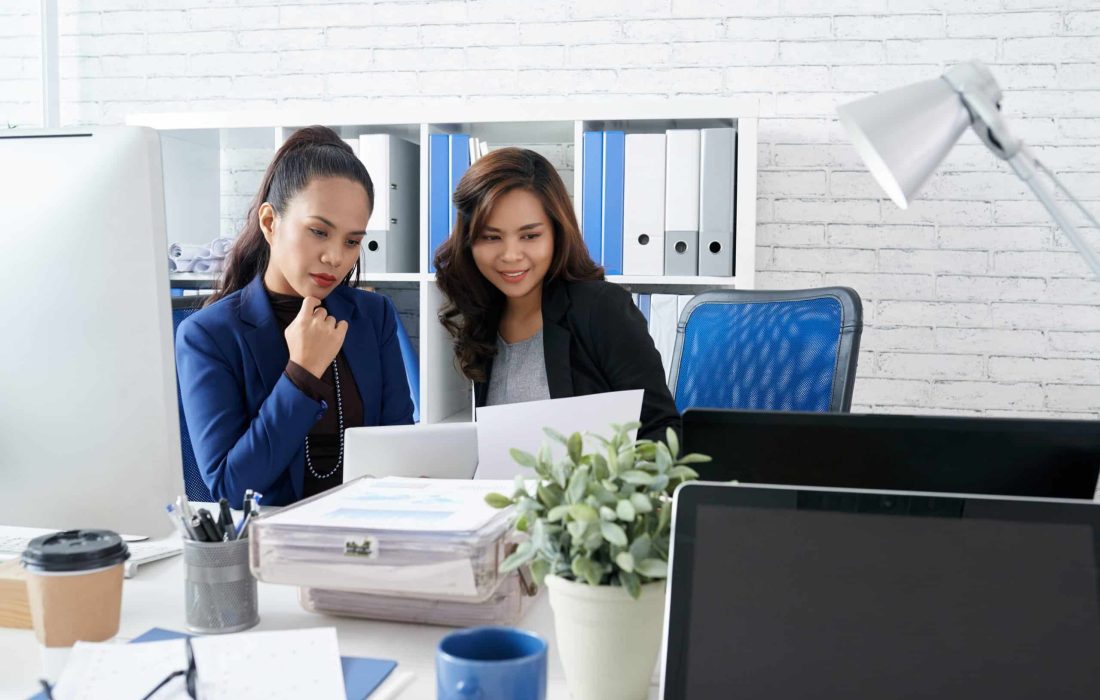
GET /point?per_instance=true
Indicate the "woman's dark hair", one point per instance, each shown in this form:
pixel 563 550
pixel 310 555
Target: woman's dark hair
pixel 473 305
pixel 311 152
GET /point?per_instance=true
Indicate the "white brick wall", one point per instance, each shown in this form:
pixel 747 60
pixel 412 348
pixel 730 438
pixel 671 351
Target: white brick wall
pixel 974 302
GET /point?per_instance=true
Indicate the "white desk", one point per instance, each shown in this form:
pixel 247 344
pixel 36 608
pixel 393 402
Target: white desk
pixel 154 598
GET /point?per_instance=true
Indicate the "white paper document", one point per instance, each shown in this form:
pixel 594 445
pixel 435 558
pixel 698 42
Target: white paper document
pixel 401 504
pixel 519 425
pixel 282 665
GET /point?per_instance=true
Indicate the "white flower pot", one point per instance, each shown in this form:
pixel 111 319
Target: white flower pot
pixel 608 642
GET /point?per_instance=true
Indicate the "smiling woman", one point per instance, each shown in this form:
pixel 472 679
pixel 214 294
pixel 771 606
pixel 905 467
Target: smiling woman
pixel 288 336
pixel 530 312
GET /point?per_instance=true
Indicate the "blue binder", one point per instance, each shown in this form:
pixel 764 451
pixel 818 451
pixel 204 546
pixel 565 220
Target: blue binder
pixel 644 305
pixel 592 201
pixel 439 194
pixel 460 160
pixel 614 182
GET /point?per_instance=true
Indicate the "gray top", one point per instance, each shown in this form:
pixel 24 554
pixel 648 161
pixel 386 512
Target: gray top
pixel 519 372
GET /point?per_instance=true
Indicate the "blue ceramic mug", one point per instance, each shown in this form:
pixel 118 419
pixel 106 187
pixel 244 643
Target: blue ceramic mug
pixel 491 663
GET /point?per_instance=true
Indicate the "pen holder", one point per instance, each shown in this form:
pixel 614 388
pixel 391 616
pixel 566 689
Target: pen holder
pixel 220 589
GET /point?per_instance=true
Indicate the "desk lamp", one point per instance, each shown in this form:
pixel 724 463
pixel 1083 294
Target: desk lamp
pixel 903 134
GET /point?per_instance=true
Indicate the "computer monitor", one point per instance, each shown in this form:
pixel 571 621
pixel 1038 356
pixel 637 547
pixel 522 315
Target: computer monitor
pixel 955 454
pixel 89 429
pixel 794 592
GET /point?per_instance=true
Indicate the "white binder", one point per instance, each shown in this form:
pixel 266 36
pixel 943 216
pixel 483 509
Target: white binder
pixel 717 201
pixel 394 227
pixel 644 205
pixel 681 202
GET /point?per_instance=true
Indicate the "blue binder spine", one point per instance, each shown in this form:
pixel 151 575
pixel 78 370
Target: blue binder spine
pixel 592 201
pixel 614 178
pixel 460 160
pixel 644 305
pixel 439 194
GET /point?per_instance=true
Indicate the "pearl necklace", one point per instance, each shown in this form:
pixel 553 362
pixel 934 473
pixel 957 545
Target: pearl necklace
pixel 340 423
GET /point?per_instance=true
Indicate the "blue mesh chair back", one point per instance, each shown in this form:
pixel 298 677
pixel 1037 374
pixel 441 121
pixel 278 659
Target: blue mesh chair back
pixel 763 350
pixel 193 485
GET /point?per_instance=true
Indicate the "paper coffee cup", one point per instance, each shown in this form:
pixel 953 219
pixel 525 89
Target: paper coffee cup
pixel 74 585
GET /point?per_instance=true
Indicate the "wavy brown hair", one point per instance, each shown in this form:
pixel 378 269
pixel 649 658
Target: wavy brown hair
pixel 473 305
pixel 310 152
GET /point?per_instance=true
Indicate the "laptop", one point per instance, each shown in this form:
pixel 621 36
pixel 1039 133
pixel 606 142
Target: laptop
pixel 800 593
pixel 441 451
pixel 955 454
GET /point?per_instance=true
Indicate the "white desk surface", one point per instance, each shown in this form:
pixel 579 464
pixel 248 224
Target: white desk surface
pixel 154 598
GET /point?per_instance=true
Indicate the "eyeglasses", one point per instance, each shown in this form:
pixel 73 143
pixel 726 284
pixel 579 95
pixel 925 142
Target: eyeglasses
pixel 190 674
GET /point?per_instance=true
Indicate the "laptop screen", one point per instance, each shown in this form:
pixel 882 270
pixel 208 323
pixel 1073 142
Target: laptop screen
pixel 780 592
pixel 1040 458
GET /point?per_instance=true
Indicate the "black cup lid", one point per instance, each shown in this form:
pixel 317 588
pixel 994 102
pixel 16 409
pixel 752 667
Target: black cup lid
pixel 75 550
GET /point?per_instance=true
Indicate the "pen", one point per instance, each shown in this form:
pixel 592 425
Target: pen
pixel 246 506
pixel 177 522
pixel 209 527
pixel 225 519
pixel 197 528
pixel 183 506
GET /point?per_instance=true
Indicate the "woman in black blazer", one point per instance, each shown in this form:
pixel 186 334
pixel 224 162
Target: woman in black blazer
pixel 530 312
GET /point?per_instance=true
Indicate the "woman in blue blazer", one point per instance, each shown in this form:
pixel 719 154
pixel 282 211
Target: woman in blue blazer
pixel 288 353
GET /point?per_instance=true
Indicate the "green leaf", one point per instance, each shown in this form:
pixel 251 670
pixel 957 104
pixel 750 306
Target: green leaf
pixel 663 458
pixel 683 473
pixel 598 439
pixel 555 435
pixel 525 459
pixel 625 510
pixel 578 484
pixel 584 513
pixel 549 495
pixel 545 456
pixel 652 568
pixel 664 517
pixel 613 533
pixel 585 568
pixel 539 569
pixel 637 476
pixel 522 523
pixel 641 503
pixel 693 458
pixel 631 583
pixel 640 548
pixel 498 500
pixel 625 562
pixel 627 427
pixel 558 471
pixel 524 553
pixel 606 513
pixel 599 467
pixel 576 446
pixel 612 462
pixel 660 482
pixel 673 442
pixel 557 512
pixel 576 529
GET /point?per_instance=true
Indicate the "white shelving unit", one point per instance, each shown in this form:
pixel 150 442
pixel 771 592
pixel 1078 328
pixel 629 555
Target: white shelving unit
pixel 210 160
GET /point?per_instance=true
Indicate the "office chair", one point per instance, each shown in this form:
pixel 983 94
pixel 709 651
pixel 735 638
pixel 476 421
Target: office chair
pixel 768 350
pixel 193 485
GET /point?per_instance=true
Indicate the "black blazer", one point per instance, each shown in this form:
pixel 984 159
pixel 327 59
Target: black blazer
pixel 596 340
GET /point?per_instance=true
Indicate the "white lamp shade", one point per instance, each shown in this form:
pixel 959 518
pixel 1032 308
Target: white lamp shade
pixel 903 134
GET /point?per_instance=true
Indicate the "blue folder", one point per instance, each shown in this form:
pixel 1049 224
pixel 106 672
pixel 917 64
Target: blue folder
pixel 592 201
pixel 439 194
pixel 362 676
pixel 460 161
pixel 614 182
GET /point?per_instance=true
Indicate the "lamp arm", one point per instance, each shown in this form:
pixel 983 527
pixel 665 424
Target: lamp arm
pixel 1025 165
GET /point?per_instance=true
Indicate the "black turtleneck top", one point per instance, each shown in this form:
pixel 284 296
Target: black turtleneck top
pixel 324 438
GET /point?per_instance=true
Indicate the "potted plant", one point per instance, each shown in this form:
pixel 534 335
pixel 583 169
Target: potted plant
pixel 596 531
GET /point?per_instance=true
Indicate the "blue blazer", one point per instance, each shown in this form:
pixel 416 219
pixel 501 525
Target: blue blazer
pixel 248 421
